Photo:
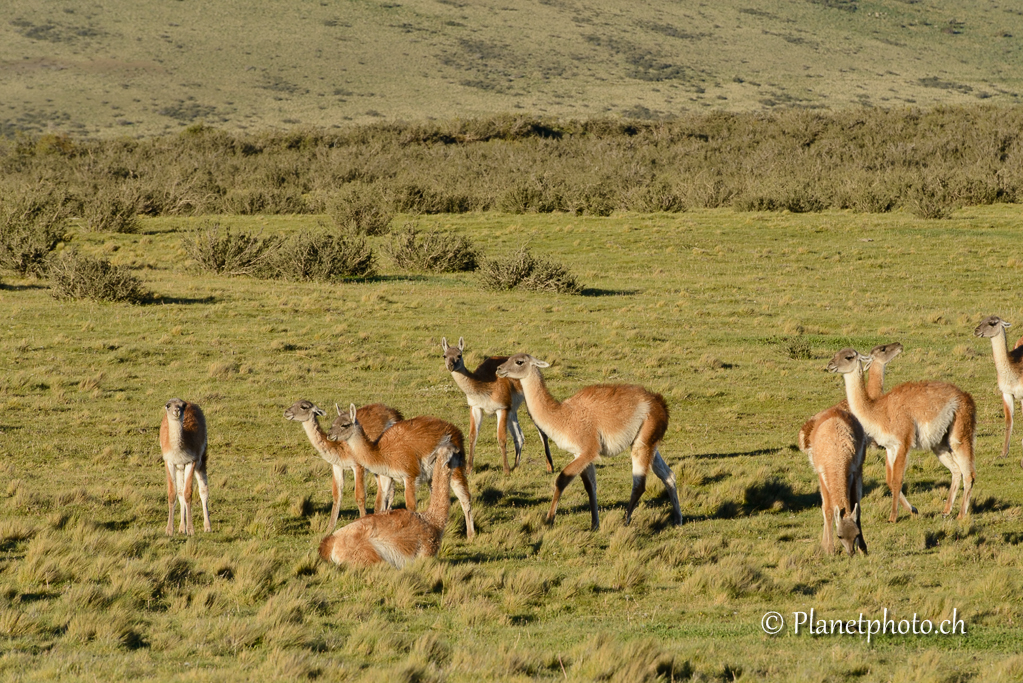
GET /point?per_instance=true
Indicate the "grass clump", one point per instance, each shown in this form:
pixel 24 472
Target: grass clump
pixel 31 227
pixel 74 276
pixel 432 251
pixel 220 251
pixel 362 209
pixel 323 256
pixel 526 271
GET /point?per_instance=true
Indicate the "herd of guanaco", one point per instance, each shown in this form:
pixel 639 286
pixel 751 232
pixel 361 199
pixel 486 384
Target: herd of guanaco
pixel 599 420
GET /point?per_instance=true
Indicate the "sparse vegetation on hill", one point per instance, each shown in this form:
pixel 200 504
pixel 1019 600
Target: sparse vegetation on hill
pixel 869 160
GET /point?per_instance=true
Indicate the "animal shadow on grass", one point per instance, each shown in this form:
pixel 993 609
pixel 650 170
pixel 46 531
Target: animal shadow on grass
pixel 737 454
pixel 991 504
pixel 21 288
pixel 593 291
pixel 773 495
pixel 181 300
pixel 116 525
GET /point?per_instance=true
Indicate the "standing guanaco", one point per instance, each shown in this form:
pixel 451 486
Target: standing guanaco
pixel 925 415
pixel 375 419
pixel 183 443
pixel 406 451
pixel 603 419
pixel 487 393
pixel 1009 368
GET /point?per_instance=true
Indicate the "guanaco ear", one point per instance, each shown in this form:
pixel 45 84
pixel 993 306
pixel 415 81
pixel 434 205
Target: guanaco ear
pixel 461 343
pixel 1005 324
pixel 856 512
pixel 338 409
pixel 319 411
pixel 540 364
pixel 839 513
pixel 351 411
pixel 444 344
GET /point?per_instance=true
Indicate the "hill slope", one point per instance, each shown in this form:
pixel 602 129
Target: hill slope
pixel 136 68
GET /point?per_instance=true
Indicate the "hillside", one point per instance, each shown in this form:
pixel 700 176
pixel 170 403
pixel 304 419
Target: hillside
pixel 130 68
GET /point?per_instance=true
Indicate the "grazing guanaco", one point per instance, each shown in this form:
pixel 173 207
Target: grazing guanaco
pixel 925 415
pixel 375 419
pixel 880 356
pixel 183 443
pixel 487 393
pixel 1009 368
pixel 836 446
pixel 406 451
pixel 604 419
pixel 398 537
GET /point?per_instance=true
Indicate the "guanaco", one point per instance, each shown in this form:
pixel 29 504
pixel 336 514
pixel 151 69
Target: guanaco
pixel 836 446
pixel 375 419
pixel 487 393
pixel 398 537
pixel 603 419
pixel 925 415
pixel 183 443
pixel 880 356
pixel 406 451
pixel 1009 368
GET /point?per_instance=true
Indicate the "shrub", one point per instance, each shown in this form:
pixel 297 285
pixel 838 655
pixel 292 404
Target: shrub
pixel 73 276
pixel 525 271
pixel 113 210
pixel 31 227
pixel 540 194
pixel 432 251
pixel 322 256
pixel 226 253
pixel 931 199
pixel 362 209
pixel 413 198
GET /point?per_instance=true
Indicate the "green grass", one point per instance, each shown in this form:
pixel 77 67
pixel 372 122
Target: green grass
pixel 128 68
pixel 732 316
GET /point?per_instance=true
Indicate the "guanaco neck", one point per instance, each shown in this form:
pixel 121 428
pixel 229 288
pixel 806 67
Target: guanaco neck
pixel 175 433
pixel 468 382
pixel 875 380
pixel 317 436
pixel 1007 374
pixel 364 451
pixel 543 407
pixel 859 402
pixel 436 514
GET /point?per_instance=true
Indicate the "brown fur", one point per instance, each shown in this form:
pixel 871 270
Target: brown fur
pixel 399 536
pixel 375 419
pixel 487 393
pixel 603 419
pixel 183 445
pixel 406 451
pixel 925 415
pixel 836 446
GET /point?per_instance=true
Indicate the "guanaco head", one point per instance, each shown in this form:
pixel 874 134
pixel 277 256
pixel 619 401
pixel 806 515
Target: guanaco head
pixel 175 409
pixel 992 326
pixel 453 356
pixel 847 360
pixel 303 410
pixel 344 425
pixel 849 532
pixel 519 366
pixel 884 353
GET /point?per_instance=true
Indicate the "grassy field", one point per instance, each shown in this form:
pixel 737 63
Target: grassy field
pixel 130 68
pixel 732 316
